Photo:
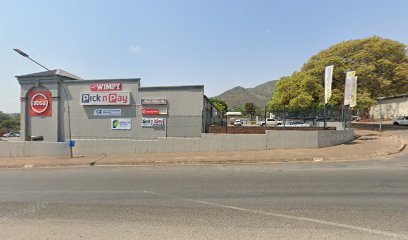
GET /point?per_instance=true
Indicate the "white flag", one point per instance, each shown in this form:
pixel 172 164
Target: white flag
pixel 353 102
pixel 328 79
pixel 348 87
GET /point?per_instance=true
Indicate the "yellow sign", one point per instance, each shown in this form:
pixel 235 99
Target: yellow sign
pixel 354 95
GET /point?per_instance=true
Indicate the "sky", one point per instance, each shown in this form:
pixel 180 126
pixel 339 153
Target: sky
pixel 215 43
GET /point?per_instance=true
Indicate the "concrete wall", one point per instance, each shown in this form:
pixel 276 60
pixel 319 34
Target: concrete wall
pixel 337 125
pixel 332 138
pixel 33 149
pixel 390 108
pixel 292 139
pixel 207 143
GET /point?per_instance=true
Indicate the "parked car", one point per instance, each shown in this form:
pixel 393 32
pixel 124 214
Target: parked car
pixel 238 122
pixel 355 118
pixel 270 122
pixel 12 134
pixel 403 120
pixel 296 123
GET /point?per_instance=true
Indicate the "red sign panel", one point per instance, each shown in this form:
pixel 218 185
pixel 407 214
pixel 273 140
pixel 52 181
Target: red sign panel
pixel 40 103
pixel 150 111
pixel 103 87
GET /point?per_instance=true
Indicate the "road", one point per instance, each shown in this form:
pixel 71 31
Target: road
pixel 345 200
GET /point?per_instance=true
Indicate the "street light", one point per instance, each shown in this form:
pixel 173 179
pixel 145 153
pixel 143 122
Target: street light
pixel 27 56
pixel 65 93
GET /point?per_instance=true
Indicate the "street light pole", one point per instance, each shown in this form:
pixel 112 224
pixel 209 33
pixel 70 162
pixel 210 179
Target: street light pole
pixel 65 93
pixel 27 56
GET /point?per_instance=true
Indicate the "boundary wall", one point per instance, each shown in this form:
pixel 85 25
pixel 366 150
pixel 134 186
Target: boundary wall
pixel 207 143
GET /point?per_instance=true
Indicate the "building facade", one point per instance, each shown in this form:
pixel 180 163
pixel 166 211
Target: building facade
pixel 390 107
pixel 57 105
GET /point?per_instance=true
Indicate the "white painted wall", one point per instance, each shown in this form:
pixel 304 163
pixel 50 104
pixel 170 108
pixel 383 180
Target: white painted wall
pixel 207 143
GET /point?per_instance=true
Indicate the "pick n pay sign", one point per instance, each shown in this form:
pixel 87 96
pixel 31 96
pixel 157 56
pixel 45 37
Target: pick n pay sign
pixel 105 98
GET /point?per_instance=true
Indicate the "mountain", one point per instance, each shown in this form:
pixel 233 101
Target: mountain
pixel 259 95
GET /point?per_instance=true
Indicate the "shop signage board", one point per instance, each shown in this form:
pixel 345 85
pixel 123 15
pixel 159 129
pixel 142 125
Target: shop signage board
pixel 153 111
pixel 156 101
pixel 104 98
pixel 102 87
pixel 40 103
pixel 105 112
pixel 152 122
pixel 121 123
pixel 150 111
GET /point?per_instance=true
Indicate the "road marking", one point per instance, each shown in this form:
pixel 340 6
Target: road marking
pixel 305 219
pixel 69 192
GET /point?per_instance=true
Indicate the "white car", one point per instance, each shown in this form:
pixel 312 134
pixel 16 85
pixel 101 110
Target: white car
pixel 12 134
pixel 270 122
pixel 238 122
pixel 299 124
pixel 403 120
pixel 296 124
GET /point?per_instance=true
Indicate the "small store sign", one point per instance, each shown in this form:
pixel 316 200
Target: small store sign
pixel 102 87
pixel 150 111
pixel 121 123
pixel 103 112
pixel 154 101
pixel 153 122
pixel 105 98
pixel 40 103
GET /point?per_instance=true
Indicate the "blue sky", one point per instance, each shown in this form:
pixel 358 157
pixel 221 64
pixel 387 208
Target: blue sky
pixel 220 44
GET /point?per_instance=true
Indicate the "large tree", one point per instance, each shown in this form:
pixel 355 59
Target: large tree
pixel 220 104
pixel 380 64
pixel 9 122
pixel 250 108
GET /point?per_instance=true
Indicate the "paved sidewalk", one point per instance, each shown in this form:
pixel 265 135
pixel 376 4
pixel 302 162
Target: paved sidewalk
pixel 369 145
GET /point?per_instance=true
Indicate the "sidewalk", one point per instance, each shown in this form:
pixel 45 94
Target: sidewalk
pixel 369 145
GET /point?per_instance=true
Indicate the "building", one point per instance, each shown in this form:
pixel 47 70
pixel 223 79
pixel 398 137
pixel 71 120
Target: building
pixel 232 116
pixel 390 107
pixel 58 105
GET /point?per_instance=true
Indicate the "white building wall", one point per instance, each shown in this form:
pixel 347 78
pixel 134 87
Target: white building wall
pixel 390 108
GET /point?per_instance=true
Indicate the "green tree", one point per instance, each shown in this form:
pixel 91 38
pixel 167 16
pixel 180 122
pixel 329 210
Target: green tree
pixel 239 109
pixel 9 122
pixel 250 108
pixel 380 64
pixel 220 104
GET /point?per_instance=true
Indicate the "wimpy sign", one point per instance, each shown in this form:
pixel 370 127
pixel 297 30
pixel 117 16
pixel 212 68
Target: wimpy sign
pixel 102 87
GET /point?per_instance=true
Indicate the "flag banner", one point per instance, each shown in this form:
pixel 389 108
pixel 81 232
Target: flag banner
pixel 328 79
pixel 348 87
pixel 353 102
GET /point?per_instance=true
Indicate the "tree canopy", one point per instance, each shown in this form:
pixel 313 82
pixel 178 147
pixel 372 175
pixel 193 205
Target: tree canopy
pixel 9 122
pixel 380 64
pixel 250 108
pixel 220 104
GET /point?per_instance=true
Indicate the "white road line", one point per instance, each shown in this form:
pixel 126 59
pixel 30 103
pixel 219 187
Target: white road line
pixel 68 192
pixel 306 219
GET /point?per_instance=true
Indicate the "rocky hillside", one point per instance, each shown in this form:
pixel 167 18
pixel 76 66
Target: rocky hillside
pixel 259 95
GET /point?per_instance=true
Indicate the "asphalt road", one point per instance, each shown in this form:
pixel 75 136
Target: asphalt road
pixel 352 200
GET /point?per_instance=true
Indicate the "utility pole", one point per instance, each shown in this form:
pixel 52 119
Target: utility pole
pixel 265 120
